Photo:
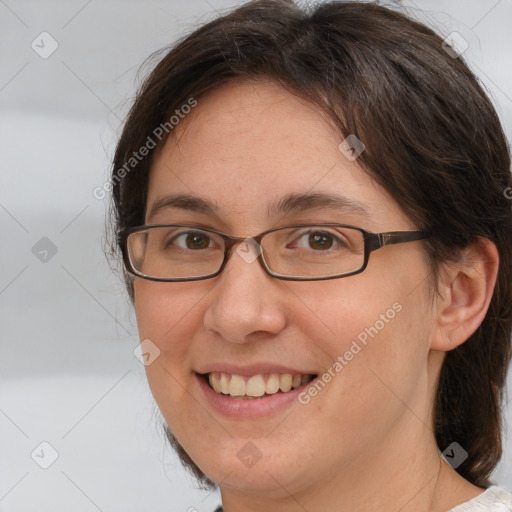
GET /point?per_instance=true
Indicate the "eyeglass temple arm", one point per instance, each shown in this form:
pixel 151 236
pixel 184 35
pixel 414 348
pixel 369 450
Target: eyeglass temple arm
pixel 377 240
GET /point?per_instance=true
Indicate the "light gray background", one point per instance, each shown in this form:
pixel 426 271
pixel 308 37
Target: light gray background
pixel 68 374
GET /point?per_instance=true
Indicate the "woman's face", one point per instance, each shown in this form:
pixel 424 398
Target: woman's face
pixel 243 149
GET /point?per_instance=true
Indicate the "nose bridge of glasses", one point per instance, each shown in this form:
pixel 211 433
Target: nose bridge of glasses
pixel 247 248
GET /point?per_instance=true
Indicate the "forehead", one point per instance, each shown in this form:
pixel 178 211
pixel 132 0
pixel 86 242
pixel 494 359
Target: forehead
pixel 251 124
pixel 247 144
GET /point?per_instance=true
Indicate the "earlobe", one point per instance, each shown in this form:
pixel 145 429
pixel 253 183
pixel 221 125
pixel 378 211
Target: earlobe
pixel 466 288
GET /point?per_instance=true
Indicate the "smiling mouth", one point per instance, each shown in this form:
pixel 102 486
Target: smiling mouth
pixel 256 386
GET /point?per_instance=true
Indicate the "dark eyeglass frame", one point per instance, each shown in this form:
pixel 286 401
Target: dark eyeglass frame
pixel 372 242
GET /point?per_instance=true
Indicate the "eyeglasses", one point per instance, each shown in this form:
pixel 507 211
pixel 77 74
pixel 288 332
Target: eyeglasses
pixel 298 252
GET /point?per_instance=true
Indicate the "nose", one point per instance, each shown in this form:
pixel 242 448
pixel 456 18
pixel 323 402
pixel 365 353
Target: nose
pixel 245 300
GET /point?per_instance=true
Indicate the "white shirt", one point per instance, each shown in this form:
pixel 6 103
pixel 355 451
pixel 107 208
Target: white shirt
pixel 493 499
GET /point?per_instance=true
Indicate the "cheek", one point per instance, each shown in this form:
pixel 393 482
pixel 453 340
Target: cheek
pixel 163 309
pixel 167 315
pixel 376 347
pixel 343 314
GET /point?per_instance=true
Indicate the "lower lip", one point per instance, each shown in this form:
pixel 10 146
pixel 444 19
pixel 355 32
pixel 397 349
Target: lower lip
pixel 252 408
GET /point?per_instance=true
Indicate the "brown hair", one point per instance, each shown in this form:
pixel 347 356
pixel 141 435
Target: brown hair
pixel 433 141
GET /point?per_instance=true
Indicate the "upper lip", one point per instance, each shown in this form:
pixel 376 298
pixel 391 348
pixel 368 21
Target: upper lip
pixel 251 369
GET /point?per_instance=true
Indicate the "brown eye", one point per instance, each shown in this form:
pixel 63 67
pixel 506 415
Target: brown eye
pixel 320 241
pixel 197 241
pixel 187 240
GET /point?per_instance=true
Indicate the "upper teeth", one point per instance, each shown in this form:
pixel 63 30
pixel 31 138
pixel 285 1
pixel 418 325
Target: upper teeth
pixel 256 385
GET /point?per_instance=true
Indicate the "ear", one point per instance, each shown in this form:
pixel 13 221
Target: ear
pixel 465 289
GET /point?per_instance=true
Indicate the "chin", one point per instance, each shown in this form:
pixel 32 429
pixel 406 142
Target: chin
pixel 248 466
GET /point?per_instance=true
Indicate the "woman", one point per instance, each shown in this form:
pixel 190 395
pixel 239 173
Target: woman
pixel 312 209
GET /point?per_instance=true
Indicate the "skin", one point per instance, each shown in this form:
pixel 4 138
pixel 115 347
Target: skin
pixel 365 442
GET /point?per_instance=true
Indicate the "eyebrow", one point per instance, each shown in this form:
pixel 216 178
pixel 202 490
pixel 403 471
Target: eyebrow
pixel 184 202
pixel 296 203
pixel 291 203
